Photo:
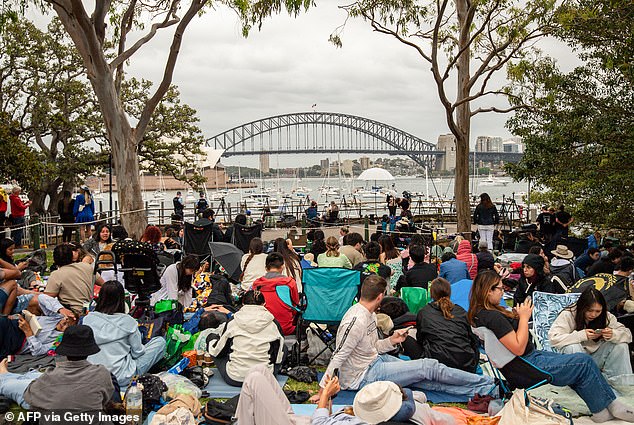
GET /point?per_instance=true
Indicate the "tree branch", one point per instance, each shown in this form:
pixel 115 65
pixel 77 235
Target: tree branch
pixel 498 110
pixel 150 106
pixel 99 16
pixel 136 46
pixel 125 27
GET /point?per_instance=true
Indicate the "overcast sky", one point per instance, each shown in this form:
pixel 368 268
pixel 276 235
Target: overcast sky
pixel 290 65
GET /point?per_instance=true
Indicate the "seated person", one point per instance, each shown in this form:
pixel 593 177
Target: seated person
pixel 9 288
pixel 153 236
pixel 372 265
pixel 510 327
pixel 353 248
pixel 58 389
pixel 72 283
pixel 465 255
pixel 607 263
pixel 615 286
pixel 176 282
pixel 98 241
pixel 118 337
pixel 253 264
pixel 311 212
pixel 534 279
pixel 452 269
pixel 443 333
pixel 262 401
pixel 360 359
pixel 587 259
pixel 267 284
pixel 251 338
pixel 588 327
pixel 421 273
pixel 485 258
pixel 16 336
pixel 332 257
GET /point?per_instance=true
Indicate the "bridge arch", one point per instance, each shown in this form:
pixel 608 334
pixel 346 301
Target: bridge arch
pixel 317 132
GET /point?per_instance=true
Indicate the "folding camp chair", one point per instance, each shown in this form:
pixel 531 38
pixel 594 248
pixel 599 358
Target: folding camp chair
pixel 196 239
pixel 547 308
pixel 328 294
pixel 415 298
pixel 242 235
pixel 519 372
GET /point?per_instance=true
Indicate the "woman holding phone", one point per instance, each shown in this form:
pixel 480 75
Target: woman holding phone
pixel 576 370
pixel 588 327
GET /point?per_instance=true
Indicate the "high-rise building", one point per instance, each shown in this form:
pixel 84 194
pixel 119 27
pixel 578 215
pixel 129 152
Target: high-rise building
pixel 489 144
pixel 447 143
pixel 264 163
pixel 365 162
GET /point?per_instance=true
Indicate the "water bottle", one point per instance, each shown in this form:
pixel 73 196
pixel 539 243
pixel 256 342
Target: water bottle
pixel 134 405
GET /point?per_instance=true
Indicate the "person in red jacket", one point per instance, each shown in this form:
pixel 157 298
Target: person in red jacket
pixel 267 284
pixel 466 255
pixel 18 209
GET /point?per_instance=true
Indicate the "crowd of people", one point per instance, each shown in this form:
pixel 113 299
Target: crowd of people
pixel 386 352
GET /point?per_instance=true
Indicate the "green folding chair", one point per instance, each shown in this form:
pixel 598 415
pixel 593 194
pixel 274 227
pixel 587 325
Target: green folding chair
pixel 415 298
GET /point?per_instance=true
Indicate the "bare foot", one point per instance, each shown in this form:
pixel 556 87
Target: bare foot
pixel 3 366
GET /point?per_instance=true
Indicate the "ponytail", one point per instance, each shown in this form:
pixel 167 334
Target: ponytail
pixel 246 263
pixel 446 307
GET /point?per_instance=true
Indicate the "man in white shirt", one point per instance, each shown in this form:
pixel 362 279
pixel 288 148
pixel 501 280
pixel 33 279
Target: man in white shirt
pixel 360 357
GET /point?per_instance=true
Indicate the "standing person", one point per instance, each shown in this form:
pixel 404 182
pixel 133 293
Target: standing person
pixel 510 327
pixel 391 204
pixel 546 221
pixel 65 208
pixel 361 360
pixel 179 204
pixel 201 204
pixel 4 199
pixel 84 212
pixel 588 327
pixel 563 220
pixel 18 210
pixel 486 217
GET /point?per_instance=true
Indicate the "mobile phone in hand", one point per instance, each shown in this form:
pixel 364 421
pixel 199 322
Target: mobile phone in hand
pixel 335 373
pixel 598 331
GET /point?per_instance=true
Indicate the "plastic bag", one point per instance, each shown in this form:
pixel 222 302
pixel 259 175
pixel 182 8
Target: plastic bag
pixel 178 384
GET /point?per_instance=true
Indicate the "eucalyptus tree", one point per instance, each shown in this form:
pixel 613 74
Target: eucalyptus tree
pixel 464 44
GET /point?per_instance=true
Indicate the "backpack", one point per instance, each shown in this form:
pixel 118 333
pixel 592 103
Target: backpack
pixel 221 413
pixel 524 408
pixel 152 392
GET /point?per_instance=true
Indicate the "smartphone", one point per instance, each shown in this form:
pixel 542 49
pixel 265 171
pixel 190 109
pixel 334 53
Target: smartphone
pixel 335 373
pixel 407 329
pixel 10 358
pixel 598 331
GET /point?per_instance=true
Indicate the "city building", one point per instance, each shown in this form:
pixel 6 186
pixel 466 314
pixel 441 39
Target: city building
pixel 446 143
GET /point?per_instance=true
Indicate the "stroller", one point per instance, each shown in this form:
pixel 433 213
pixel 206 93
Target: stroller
pixel 140 267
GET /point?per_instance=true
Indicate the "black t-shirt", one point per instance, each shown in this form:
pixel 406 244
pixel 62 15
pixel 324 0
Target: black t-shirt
pixel 501 325
pixel 563 217
pixel 546 222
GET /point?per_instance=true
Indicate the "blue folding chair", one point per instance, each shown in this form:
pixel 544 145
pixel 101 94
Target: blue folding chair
pixel 328 294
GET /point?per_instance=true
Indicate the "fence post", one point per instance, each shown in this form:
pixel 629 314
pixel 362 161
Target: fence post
pixel 367 228
pixel 35 232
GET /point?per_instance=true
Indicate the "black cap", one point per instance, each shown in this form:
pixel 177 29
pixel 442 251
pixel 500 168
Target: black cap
pixel 78 341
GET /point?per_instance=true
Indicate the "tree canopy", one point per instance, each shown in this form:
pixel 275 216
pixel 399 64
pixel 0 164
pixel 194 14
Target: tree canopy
pixel 579 131
pixel 45 93
pixel 465 44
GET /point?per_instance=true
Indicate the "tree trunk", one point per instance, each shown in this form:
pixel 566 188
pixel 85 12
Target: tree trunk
pixel 463 122
pixel 125 158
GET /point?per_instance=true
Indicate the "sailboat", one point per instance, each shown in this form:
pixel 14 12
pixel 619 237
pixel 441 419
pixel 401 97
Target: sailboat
pixel 159 194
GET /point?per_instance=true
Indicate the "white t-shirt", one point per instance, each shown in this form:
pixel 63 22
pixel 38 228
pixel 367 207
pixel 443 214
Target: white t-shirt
pixel 255 269
pixel 169 288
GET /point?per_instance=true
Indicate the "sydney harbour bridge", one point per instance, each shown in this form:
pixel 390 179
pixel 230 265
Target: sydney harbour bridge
pixel 327 132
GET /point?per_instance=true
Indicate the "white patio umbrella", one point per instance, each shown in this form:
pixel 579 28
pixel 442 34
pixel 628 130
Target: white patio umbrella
pixel 374 174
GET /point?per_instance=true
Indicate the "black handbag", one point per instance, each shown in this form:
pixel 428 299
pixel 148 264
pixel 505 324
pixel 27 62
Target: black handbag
pixel 219 413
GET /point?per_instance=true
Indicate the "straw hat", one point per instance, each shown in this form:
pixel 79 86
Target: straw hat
pixel 378 402
pixel 562 251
